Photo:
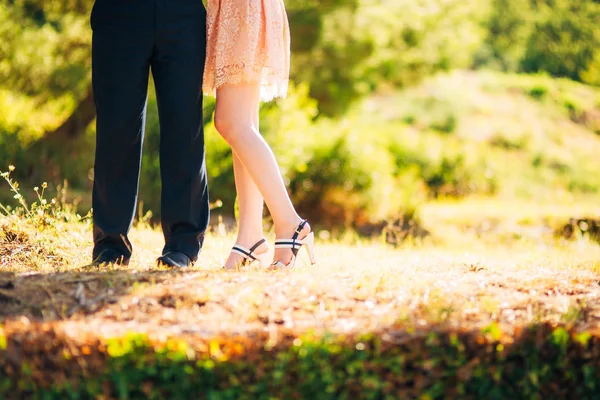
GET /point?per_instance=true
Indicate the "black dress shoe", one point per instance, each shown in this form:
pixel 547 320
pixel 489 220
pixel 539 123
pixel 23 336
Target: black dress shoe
pixel 174 259
pixel 109 256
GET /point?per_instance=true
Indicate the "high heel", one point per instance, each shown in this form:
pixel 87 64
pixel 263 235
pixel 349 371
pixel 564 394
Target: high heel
pixel 295 244
pixel 249 255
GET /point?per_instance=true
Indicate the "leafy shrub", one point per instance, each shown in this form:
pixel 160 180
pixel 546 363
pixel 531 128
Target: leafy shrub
pixel 539 361
pixel 350 180
pixel 509 25
pixel 370 46
pixel 566 40
pixel 560 37
pixel 448 168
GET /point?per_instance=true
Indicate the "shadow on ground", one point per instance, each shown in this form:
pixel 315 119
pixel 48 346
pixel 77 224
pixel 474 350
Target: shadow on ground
pixel 58 296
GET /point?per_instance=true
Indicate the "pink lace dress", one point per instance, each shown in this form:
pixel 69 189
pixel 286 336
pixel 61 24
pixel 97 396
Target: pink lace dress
pixel 248 41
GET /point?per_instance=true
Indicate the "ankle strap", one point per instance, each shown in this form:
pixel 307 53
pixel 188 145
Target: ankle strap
pixel 257 244
pixel 299 229
pixel 247 253
pixel 244 252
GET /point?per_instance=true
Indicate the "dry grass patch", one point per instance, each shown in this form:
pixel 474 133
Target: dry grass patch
pixel 356 288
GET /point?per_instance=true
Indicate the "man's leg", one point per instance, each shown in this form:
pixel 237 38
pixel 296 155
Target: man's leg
pixel 177 67
pixel 122 46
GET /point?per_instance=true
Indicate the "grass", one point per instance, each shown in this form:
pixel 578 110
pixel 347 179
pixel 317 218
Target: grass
pixel 358 288
pixel 464 277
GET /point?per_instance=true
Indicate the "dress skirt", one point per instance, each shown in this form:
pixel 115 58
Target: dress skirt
pixel 248 41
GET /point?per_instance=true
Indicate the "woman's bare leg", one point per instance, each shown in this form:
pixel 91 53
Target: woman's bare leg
pixel 235 117
pixel 250 203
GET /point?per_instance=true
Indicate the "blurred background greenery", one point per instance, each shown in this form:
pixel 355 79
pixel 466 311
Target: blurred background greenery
pixel 394 103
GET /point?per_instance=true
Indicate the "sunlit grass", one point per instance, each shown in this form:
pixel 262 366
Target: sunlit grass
pixel 457 278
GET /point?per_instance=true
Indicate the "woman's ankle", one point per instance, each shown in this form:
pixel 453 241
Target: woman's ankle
pixel 289 227
pixel 249 238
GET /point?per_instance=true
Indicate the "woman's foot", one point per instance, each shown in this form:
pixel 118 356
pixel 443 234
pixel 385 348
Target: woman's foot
pixel 243 254
pixel 289 242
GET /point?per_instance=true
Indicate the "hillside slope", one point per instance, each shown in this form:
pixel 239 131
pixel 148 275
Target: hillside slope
pixel 538 137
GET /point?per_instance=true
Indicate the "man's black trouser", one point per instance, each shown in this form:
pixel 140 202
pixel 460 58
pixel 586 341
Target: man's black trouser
pixel 130 38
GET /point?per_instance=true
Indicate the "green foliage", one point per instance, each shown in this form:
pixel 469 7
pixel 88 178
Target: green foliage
pixel 541 361
pixel 566 41
pixel 560 37
pixel 366 46
pixel 515 135
pixel 45 49
pixel 342 48
pixel 350 179
pixel 509 25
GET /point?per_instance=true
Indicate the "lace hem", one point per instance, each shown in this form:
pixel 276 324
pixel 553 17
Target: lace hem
pixel 268 91
pixel 271 84
pixel 247 42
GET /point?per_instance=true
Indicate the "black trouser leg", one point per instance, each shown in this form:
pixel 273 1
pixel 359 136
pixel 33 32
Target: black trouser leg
pixel 177 67
pixel 122 47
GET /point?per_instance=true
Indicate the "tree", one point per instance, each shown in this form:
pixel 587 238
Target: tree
pixel 365 45
pixel 566 41
pixel 560 37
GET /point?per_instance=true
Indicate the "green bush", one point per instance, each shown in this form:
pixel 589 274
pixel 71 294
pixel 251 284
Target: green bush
pixel 560 37
pixel 372 46
pixel 350 180
pixel 566 40
pixel 540 361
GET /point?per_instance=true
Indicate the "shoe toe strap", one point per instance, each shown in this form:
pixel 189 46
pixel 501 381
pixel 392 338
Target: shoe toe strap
pixel 288 244
pixel 291 244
